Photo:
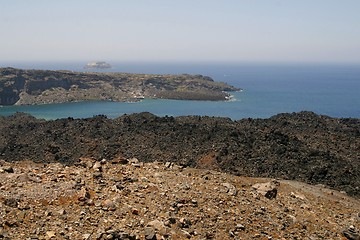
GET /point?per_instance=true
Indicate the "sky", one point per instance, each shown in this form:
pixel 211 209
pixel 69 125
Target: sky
pixel 180 30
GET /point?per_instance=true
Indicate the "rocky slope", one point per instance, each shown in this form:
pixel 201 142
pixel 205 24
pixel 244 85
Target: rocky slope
pixel 300 146
pixel 125 199
pixel 22 87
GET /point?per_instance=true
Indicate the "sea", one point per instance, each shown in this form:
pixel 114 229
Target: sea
pixel 267 90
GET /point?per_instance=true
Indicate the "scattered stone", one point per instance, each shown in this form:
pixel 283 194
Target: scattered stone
pixel 239 227
pixel 120 160
pixel 184 223
pixel 50 234
pixel 135 211
pixel 8 169
pixel 168 165
pixel 158 225
pixel 61 212
pixel 34 178
pixel 269 189
pixel 231 189
pixel 83 194
pixel 209 235
pixel 109 205
pixel 305 206
pixel 172 220
pixel 149 233
pixel 133 161
pixel 97 166
pixel 298 196
pixel 11 202
pixel 351 233
pixel 144 179
pixel 86 236
pixel 186 186
pixel 3 233
pixel 185 233
pixel 97 175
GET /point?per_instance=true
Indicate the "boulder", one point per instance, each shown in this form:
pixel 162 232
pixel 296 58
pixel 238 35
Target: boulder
pixel 268 189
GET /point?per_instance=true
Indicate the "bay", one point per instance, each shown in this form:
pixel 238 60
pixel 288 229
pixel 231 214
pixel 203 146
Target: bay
pixel 268 89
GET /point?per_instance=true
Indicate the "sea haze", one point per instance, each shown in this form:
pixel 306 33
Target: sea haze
pixel 267 90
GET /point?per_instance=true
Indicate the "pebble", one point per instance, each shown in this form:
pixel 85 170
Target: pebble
pixel 135 211
pixel 108 205
pixel 185 234
pixel 8 169
pixel 239 227
pixel 97 166
pixel 231 189
pixel 149 233
pixel 83 194
pixel 86 236
pixel 351 233
pixel 50 234
pixel 158 225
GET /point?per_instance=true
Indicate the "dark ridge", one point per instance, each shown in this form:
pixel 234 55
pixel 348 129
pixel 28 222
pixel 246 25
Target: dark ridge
pixel 298 146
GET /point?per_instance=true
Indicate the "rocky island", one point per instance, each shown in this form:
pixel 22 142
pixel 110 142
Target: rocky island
pixel 97 65
pixel 26 87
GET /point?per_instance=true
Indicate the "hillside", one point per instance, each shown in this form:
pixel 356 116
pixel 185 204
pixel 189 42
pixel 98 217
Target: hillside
pixel 125 199
pixel 27 87
pixel 300 146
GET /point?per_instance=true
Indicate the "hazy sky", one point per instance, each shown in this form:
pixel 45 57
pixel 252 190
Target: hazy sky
pixel 180 30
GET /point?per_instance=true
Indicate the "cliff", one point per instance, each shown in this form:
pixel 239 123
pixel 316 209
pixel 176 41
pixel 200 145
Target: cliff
pixel 26 87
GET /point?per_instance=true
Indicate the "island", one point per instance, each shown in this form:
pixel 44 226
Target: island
pixel 30 87
pixel 97 65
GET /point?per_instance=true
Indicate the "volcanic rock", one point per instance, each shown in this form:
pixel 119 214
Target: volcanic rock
pixel 300 146
pixel 268 189
pixel 56 210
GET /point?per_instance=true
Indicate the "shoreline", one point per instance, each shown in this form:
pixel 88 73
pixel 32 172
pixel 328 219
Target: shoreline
pixel 29 87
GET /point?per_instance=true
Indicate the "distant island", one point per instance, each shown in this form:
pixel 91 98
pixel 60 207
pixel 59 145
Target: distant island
pixel 31 87
pixel 97 65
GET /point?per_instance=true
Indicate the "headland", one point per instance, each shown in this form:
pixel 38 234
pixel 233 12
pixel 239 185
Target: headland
pixel 29 87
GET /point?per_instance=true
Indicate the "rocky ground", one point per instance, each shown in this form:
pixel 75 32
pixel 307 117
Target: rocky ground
pixel 300 146
pixel 122 198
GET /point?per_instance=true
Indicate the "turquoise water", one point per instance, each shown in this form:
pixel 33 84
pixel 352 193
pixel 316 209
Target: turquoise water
pixel 268 90
pixel 114 109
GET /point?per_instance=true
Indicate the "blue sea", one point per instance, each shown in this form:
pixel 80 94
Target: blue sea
pixel 268 89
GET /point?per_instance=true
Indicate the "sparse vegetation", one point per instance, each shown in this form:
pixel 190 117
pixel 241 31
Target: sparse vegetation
pixel 27 87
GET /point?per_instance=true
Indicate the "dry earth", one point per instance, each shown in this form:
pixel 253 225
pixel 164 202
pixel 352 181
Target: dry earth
pixel 127 199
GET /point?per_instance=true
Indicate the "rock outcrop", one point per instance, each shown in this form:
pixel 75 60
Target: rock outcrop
pixel 26 87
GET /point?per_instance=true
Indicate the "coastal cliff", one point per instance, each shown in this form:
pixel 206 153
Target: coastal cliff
pixel 28 87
